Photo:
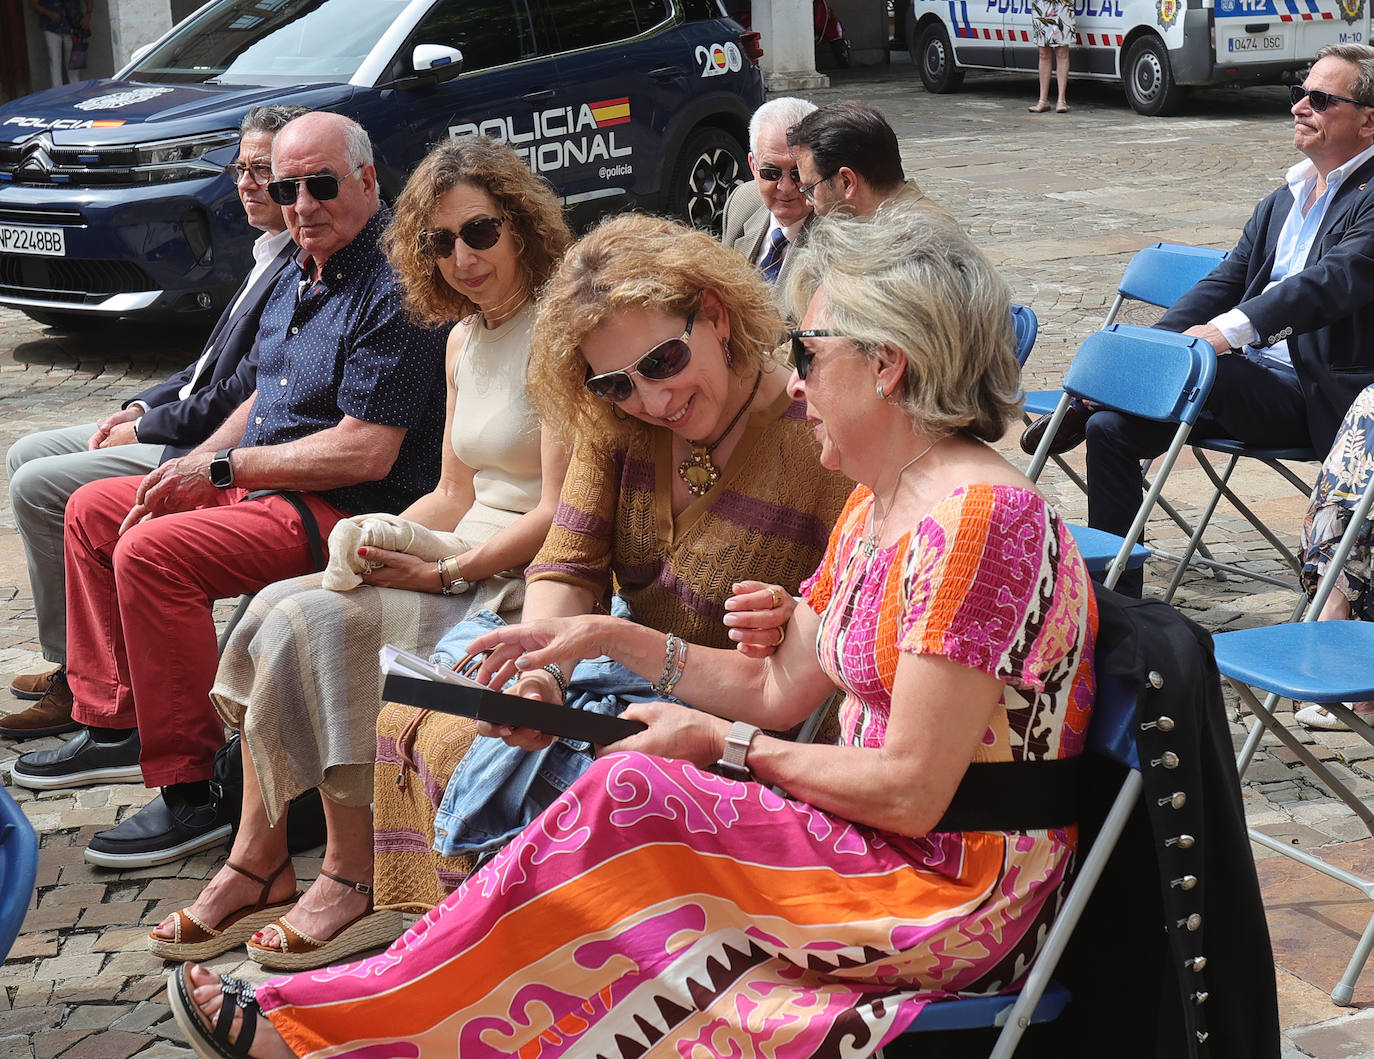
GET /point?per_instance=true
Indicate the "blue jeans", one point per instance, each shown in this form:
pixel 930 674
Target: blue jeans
pixel 497 790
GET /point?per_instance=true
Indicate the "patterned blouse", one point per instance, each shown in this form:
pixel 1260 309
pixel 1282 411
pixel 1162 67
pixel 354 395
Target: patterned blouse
pixel 990 579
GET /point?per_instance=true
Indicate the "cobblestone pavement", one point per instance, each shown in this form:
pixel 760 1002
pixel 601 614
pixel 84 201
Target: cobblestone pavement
pixel 1061 202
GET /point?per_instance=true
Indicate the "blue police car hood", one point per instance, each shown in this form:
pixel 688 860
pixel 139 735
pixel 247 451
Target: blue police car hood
pixel 110 111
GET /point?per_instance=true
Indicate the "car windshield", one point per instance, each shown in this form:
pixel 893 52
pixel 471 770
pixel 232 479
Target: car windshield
pixel 271 42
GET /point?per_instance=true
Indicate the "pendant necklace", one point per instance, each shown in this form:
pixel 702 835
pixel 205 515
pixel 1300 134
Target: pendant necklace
pixel 870 544
pixel 697 471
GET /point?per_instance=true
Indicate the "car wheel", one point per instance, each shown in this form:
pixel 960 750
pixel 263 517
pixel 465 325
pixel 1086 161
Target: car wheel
pixel 65 321
pixel 1149 79
pixel 712 162
pixel 934 57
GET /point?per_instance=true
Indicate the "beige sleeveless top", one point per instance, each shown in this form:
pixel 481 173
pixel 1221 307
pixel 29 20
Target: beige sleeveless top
pixel 494 429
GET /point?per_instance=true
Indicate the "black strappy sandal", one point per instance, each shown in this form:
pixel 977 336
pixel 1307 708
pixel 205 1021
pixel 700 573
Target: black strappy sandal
pixel 213 1043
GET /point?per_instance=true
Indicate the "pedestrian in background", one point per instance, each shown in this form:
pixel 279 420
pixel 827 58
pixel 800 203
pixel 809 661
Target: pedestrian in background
pixel 1052 29
pixel 64 23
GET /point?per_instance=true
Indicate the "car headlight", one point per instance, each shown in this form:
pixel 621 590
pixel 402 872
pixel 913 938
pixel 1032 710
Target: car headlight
pixel 180 159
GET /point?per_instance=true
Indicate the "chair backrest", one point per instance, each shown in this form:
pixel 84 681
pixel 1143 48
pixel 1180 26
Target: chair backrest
pixel 1144 372
pixel 1163 273
pixel 1027 326
pixel 18 869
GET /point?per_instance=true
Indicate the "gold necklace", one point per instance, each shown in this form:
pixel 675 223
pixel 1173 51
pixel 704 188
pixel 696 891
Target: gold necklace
pixel 697 471
pixel 870 544
pixel 493 315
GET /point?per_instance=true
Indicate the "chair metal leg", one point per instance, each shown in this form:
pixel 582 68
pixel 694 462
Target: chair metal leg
pixel 1196 539
pixel 1284 736
pixel 1220 483
pixel 234 619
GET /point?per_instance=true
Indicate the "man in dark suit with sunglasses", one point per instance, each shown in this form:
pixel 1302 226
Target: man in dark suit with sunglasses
pixel 347 418
pixel 767 218
pixel 1290 311
pixel 164 421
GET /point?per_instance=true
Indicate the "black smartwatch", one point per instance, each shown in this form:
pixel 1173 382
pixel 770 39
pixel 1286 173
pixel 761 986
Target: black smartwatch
pixel 222 470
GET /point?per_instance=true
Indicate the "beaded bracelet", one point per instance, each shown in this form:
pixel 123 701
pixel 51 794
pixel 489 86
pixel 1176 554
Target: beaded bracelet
pixel 557 674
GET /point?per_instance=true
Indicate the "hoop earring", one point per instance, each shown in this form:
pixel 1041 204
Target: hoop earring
pixel 624 417
pixel 882 394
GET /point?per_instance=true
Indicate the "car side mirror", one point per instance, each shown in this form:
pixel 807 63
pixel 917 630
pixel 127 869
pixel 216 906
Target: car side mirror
pixel 436 62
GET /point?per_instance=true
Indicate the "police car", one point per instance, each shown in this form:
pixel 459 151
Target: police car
pixel 113 197
pixel 1154 47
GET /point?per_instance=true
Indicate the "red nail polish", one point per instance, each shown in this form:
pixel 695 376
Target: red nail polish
pixel 362 552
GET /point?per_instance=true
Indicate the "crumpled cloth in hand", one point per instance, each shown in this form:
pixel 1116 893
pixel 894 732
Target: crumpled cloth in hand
pixel 345 567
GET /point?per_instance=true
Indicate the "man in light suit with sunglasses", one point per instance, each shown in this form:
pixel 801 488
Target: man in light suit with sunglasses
pixel 767 218
pixel 161 423
pixel 347 418
pixel 1290 311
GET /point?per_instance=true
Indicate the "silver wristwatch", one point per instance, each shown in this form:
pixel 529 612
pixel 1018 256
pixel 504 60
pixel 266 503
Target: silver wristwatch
pixel 733 760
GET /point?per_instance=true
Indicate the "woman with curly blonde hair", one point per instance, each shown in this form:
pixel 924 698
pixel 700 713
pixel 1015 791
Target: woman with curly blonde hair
pixel 474 235
pixel 694 505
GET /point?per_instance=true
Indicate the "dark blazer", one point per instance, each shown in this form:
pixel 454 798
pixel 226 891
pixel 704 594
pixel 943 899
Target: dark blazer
pixel 746 223
pixel 1326 311
pixel 227 381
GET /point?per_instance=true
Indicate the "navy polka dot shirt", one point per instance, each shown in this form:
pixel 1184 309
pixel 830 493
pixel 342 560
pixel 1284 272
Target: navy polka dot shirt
pixel 346 346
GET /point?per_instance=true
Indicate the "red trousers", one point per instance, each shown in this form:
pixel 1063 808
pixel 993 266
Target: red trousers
pixel 141 648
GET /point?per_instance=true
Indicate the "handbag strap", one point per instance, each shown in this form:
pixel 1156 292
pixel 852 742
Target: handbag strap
pixel 405 742
pixel 308 522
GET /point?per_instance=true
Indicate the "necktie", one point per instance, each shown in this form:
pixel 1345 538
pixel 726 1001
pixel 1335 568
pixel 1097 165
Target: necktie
pixel 772 262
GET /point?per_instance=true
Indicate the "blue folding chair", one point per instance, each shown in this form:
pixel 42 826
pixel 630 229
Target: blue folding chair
pixel 18 869
pixel 1143 372
pixel 1111 734
pixel 1158 275
pixel 1316 661
pixel 1026 326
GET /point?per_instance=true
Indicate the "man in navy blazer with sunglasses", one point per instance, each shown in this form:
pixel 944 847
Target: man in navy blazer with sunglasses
pixel 1290 311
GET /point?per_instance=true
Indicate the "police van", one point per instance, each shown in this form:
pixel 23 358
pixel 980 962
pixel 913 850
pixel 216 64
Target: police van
pixel 1156 48
pixel 114 200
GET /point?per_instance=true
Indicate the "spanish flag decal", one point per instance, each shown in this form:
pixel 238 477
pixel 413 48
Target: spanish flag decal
pixel 106 124
pixel 611 112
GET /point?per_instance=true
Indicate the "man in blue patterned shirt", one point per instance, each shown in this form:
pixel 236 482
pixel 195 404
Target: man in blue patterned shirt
pixel 347 418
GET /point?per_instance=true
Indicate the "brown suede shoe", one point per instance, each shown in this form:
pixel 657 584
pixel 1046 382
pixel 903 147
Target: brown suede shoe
pixel 33 685
pixel 50 715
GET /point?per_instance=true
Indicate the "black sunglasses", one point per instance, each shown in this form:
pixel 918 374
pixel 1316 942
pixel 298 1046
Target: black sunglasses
pixel 480 233
pixel 260 171
pixel 1318 99
pixel 322 187
pixel 773 174
pixel 662 362
pixel 801 356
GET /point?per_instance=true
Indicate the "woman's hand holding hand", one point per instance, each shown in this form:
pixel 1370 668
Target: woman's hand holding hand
pixel 536 685
pixel 676 732
pixel 756 614
pixel 398 570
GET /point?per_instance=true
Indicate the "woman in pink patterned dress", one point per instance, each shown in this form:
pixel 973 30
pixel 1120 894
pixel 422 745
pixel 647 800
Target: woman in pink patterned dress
pixel 659 908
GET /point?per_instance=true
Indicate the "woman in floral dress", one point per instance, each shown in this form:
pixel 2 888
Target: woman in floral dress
pixel 1052 30
pixel 658 908
pixel 1344 475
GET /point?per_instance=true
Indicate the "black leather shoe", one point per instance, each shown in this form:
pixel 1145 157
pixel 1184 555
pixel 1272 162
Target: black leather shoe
pixel 1073 428
pixel 165 829
pixel 79 762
